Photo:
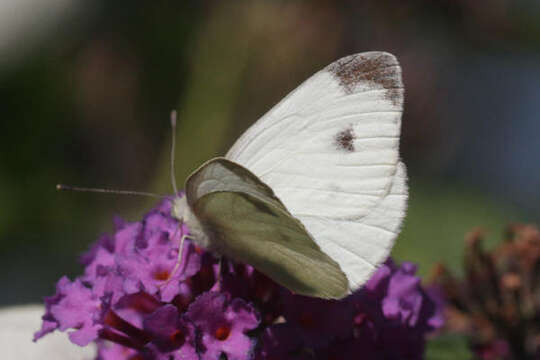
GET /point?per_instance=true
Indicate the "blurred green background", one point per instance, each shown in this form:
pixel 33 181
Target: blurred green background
pixel 86 88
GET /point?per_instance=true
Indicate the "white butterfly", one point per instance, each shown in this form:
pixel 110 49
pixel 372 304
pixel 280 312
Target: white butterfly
pixel 314 193
pixel 330 153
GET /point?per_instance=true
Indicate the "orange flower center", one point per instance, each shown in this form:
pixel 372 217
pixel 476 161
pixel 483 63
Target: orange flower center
pixel 161 275
pixel 222 333
pixel 177 338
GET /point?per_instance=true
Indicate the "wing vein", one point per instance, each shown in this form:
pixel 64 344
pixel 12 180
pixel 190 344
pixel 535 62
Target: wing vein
pixel 281 188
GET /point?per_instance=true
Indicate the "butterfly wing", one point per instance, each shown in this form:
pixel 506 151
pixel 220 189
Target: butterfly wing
pixel 246 222
pixel 330 152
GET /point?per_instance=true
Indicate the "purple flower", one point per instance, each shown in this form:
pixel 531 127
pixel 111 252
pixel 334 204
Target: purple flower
pixel 394 312
pixel 112 351
pixel 73 307
pixel 353 349
pixel 403 301
pixel 245 282
pixel 156 272
pixel 223 325
pixel 105 242
pixel 137 302
pixel 124 238
pixel 101 270
pixel 49 323
pixel 318 321
pixel 152 265
pixel 170 333
pixel 435 294
pixel 388 318
pixel 280 341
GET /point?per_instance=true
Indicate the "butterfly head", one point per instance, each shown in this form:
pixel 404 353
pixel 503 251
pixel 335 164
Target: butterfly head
pixel 179 208
pixel 182 212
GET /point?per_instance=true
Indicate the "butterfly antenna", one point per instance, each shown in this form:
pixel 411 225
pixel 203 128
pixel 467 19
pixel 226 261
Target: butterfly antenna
pixel 173 148
pixel 62 187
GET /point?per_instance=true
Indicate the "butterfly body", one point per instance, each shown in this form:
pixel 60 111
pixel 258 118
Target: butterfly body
pixel 181 210
pixel 314 193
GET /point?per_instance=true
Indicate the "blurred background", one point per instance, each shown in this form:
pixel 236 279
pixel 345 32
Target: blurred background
pixel 86 88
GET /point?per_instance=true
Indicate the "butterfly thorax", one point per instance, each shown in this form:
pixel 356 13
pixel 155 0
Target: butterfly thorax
pixel 182 212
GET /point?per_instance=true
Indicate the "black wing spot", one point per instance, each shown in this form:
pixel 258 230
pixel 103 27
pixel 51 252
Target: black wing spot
pixel 344 140
pixel 381 69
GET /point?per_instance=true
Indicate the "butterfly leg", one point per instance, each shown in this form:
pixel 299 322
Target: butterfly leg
pixel 180 252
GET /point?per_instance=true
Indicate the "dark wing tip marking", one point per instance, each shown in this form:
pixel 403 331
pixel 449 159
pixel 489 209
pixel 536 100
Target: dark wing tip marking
pixel 344 139
pixel 376 67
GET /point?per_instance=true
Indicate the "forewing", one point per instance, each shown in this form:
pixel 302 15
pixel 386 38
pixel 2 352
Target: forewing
pixel 245 222
pixel 330 152
pixel 255 232
pixel 220 174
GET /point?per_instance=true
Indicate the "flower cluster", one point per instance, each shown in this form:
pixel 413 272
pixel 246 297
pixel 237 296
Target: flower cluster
pixel 136 302
pixel 497 304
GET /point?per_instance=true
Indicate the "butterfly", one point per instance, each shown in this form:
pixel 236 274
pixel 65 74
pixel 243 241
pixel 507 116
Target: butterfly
pixel 314 193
